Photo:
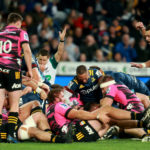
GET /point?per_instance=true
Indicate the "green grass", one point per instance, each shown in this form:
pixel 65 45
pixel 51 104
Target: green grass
pixel 100 145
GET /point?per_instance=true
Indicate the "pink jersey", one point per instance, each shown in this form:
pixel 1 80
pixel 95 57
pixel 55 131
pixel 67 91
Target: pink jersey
pixel 11 39
pixel 57 116
pixel 125 98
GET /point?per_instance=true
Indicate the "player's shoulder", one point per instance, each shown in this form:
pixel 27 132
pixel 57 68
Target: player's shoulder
pixel 94 73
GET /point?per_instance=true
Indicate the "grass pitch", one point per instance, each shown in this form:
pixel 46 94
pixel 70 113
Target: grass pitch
pixel 115 144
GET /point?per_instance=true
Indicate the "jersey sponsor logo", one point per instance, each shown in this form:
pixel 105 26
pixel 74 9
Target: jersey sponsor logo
pixel 79 136
pixel 17 75
pixel 94 87
pixel 81 86
pixel 4 70
pixel 16 86
pixel 64 106
pixel 64 129
pixel 89 130
pixel 82 123
pixel 26 36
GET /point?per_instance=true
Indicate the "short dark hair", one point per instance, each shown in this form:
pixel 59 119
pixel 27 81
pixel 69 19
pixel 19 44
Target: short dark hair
pixel 14 17
pixel 81 69
pixel 54 86
pixel 53 94
pixel 148 27
pixel 105 79
pixel 44 52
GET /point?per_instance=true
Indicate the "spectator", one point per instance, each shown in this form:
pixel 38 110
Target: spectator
pixel 89 47
pixel 78 36
pixel 124 48
pixel 72 49
pixel 47 25
pixel 34 43
pixel 83 57
pixel 106 47
pixel 98 57
pixel 142 51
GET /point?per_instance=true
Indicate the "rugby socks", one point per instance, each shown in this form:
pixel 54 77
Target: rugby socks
pixel 36 109
pixel 48 130
pixel 57 139
pixel 136 116
pixel 12 122
pixel 3 134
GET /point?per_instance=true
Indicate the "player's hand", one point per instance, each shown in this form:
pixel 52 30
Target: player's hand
pixel 43 95
pixel 140 26
pixel 45 87
pixel 29 74
pixel 63 33
pixel 136 65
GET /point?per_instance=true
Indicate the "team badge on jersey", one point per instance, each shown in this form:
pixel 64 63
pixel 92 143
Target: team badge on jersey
pixel 64 106
pixel 17 75
pixel 26 36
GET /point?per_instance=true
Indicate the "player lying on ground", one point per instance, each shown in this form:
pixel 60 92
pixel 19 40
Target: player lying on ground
pixel 60 115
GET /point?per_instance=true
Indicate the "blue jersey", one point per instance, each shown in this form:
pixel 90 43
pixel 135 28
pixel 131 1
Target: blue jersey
pixel 89 92
pixel 32 96
pixel 130 81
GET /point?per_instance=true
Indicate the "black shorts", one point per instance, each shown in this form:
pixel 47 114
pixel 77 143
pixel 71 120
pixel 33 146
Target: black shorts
pixel 10 79
pixel 84 132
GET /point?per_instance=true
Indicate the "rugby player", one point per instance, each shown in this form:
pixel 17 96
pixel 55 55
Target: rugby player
pixel 86 84
pixel 12 39
pixel 124 98
pixel 60 115
pixel 49 64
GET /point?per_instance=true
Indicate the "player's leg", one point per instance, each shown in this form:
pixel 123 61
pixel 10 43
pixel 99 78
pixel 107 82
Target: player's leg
pixel 13 86
pixel 13 112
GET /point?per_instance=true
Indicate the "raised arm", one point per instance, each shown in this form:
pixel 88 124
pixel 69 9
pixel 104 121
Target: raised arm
pixel 60 50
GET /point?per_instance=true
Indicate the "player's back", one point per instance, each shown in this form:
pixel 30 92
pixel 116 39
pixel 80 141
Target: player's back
pixel 10 47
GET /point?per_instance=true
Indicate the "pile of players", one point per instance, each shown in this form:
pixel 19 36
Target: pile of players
pixel 95 105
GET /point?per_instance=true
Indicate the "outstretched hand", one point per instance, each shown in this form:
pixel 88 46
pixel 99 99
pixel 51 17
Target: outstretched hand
pixel 63 33
pixel 136 65
pixel 140 26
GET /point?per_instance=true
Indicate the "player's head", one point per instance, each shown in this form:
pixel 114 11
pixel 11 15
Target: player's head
pixel 147 34
pixel 43 57
pixel 105 82
pixel 98 68
pixel 82 74
pixel 15 19
pixel 56 95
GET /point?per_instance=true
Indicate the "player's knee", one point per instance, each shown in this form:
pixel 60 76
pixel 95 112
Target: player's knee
pixel 23 132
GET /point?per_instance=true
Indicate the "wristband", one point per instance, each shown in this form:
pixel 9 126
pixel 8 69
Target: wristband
pixel 97 117
pixel 38 90
pixel 143 65
pixel 40 84
pixel 62 41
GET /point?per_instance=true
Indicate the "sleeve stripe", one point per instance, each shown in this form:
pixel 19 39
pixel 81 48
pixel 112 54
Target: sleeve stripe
pixel 67 112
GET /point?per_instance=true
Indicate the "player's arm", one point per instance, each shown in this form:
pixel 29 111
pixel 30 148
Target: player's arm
pixel 60 50
pixel 81 114
pixel 141 65
pixel 140 26
pixel 144 99
pixel 106 101
pixel 28 57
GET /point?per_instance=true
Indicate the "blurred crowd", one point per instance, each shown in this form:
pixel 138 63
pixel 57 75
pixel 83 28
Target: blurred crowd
pixel 98 30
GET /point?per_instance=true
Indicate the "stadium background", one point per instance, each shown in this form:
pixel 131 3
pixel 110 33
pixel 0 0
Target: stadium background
pixel 95 35
pixel 100 31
